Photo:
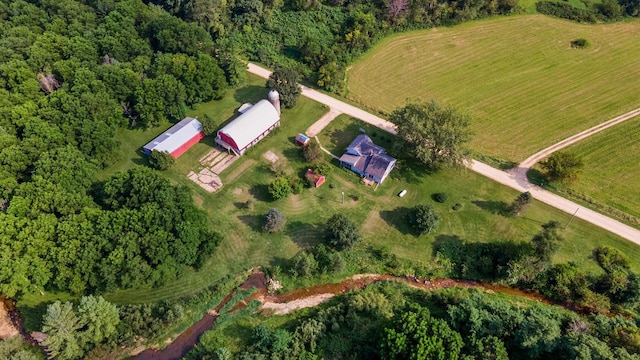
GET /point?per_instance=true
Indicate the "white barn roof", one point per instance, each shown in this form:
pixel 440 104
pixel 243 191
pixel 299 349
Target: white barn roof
pixel 252 123
pixel 176 136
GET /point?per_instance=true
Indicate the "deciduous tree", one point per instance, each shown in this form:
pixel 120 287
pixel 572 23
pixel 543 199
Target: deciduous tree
pixel 423 219
pixel 562 166
pixel 342 233
pixel 274 221
pixel 285 82
pixel 433 134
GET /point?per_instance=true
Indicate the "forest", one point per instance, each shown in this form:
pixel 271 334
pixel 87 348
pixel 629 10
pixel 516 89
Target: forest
pixel 71 75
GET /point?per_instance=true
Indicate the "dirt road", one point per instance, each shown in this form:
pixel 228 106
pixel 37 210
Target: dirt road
pixel 516 179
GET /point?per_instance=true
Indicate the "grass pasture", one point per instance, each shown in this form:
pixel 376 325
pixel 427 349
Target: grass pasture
pixel 612 175
pixel 518 76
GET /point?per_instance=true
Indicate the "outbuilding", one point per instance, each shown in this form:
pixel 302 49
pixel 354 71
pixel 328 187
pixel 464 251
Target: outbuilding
pixel 314 179
pixel 302 140
pixel 256 122
pixel 177 139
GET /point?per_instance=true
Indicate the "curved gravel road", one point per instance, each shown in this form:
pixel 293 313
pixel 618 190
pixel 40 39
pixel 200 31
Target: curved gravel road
pixel 515 179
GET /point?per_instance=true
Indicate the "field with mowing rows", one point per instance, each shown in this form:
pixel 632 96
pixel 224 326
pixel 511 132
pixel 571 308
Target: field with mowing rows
pixel 518 76
pixel 612 175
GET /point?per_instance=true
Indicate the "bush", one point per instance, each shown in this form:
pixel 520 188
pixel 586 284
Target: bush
pixel 323 168
pixel 274 221
pixel 565 11
pixel 279 188
pixel 456 207
pixel 342 232
pixel 161 160
pixel 423 219
pixel 440 197
pixel 520 203
pixel 580 43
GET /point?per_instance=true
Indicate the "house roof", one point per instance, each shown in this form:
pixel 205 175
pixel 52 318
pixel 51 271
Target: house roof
pixel 175 136
pixel 371 159
pixel 378 165
pixel 363 145
pixel 251 124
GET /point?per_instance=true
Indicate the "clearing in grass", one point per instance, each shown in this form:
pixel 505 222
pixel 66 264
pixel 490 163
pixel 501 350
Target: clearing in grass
pixel 524 84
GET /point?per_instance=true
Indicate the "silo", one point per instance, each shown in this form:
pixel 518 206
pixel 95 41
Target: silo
pixel 274 99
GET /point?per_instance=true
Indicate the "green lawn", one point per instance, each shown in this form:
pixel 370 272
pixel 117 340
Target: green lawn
pixel 611 176
pixel 518 76
pixel 476 221
pixel 377 211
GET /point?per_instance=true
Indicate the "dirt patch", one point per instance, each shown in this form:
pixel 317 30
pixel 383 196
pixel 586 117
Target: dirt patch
pixel 270 156
pixel 285 308
pixel 7 329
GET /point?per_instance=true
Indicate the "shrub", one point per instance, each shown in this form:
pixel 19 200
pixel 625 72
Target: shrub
pixel 456 207
pixel 304 263
pixel 440 197
pixel 296 185
pixel 423 219
pixel 161 160
pixel 279 188
pixel 520 203
pixel 274 221
pixel 580 43
pixel 323 168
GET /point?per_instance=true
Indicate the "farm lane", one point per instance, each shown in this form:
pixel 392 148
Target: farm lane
pixel 522 168
pixel 513 179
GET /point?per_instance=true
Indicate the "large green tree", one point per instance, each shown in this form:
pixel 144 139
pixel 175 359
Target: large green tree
pixel 423 219
pixel 435 135
pixel 562 166
pixel 342 233
pixel 285 82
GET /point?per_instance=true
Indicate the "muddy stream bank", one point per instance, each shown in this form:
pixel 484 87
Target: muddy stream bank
pixel 312 296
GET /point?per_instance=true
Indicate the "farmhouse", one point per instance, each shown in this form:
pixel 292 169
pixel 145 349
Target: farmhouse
pixel 178 138
pixel 255 122
pixel 367 159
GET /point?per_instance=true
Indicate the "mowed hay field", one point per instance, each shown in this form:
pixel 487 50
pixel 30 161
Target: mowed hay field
pixel 612 175
pixel 518 76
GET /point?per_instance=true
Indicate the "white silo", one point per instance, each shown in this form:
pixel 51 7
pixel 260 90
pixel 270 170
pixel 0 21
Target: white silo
pixel 274 99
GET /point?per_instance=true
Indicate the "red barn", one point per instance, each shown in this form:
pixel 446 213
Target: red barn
pixel 177 139
pixel 256 122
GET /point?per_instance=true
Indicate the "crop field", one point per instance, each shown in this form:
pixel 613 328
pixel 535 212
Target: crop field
pixel 518 76
pixel 238 208
pixel 612 175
